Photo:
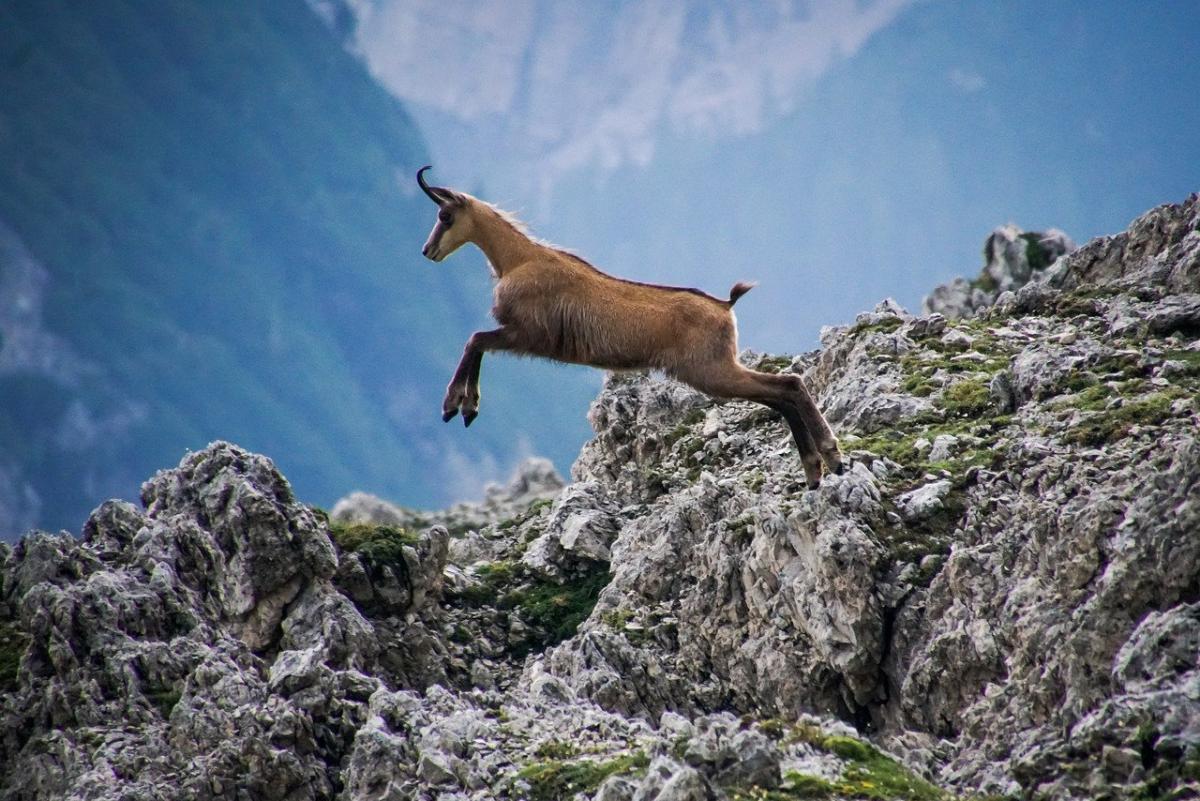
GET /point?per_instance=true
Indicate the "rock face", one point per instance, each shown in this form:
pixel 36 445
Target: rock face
pixel 1000 595
pixel 1012 258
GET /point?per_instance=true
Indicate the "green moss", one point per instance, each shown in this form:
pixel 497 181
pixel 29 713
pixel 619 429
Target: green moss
pixel 164 698
pixel 884 326
pixel 967 398
pixel 1190 359
pixel 694 446
pixel 13 642
pixel 985 282
pixel 561 779
pixel 556 749
pixel 1109 425
pixel 918 382
pixel 675 434
pixel 869 774
pixel 887 780
pixel 1035 254
pixel 754 480
pixel 540 504
pixel 533 510
pixel 495 579
pixel 756 417
pixel 774 364
pixel 799 785
pixel 617 618
pixel 554 611
pixel 847 748
pixel 558 611
pixel 381 544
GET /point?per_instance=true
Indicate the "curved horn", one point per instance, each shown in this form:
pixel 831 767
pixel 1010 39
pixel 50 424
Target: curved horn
pixel 425 187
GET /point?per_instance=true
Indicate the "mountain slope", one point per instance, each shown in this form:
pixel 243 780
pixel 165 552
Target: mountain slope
pixel 1000 593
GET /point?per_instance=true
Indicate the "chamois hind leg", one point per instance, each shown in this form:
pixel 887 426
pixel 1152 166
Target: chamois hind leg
pixel 463 390
pixel 731 380
pixel 818 427
pixel 809 457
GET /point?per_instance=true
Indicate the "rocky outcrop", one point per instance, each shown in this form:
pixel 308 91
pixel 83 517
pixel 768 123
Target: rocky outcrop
pixel 1011 258
pixel 1000 595
pixel 535 479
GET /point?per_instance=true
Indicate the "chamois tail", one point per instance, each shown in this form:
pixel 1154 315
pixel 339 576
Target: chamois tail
pixel 739 289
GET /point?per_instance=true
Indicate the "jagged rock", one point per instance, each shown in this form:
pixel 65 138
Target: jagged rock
pixel 923 501
pixel 943 447
pixel 1160 249
pixel 581 527
pixel 1001 588
pixel 535 479
pixel 1012 258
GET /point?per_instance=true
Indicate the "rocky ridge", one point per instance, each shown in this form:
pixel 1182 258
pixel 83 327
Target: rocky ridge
pixel 1000 596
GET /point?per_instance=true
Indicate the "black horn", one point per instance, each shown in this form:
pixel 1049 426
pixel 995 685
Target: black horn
pixel 426 188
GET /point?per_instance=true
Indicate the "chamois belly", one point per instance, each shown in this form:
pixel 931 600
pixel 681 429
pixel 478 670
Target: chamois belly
pixel 584 333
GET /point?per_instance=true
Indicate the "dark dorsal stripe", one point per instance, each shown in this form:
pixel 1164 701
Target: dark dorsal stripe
pixel 630 281
pixel 508 220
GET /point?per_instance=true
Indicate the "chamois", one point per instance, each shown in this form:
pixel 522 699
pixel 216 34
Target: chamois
pixel 555 305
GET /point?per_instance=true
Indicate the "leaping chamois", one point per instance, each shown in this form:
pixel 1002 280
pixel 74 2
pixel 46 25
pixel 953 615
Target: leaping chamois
pixel 555 305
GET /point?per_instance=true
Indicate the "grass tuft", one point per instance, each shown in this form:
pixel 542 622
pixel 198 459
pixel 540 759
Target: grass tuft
pixel 13 642
pixel 380 544
pixel 562 779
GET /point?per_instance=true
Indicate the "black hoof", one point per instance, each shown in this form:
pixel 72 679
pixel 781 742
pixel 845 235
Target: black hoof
pixel 841 469
pixel 448 416
pixel 812 485
pixel 469 417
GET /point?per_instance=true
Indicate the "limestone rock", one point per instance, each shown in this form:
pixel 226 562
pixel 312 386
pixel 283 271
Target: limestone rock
pixel 1000 591
pixel 1012 258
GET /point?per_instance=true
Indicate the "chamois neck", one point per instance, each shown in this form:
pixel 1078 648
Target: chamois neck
pixel 504 244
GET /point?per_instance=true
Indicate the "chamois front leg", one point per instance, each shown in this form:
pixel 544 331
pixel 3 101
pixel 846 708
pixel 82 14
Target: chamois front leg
pixel 463 390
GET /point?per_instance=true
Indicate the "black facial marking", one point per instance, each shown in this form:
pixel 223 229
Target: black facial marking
pixel 446 217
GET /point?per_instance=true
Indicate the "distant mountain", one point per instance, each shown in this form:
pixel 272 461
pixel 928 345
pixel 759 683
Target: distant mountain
pixel 208 228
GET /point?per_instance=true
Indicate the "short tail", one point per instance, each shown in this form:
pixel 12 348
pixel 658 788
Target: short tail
pixel 739 289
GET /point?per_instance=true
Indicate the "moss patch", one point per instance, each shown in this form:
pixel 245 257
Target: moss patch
pixel 1189 358
pixel 689 421
pixel 984 282
pixel 968 398
pixel 1037 256
pixel 553 611
pixel 899 443
pixel 13 643
pixel 163 698
pixel 774 364
pixel 376 543
pixel 1109 425
pixel 869 774
pixel 884 326
pixel 562 779
pixel 558 611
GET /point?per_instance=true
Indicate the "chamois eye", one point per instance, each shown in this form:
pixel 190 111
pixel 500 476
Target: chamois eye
pixel 446 217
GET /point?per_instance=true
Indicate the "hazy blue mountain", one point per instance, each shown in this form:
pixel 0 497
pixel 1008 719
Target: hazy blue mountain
pixel 211 231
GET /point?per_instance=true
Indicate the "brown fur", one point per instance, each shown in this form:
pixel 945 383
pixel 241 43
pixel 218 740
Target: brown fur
pixel 553 304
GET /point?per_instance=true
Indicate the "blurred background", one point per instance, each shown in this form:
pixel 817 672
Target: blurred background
pixel 209 226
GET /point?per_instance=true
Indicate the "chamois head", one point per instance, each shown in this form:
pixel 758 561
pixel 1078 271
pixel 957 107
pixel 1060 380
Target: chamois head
pixel 454 222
